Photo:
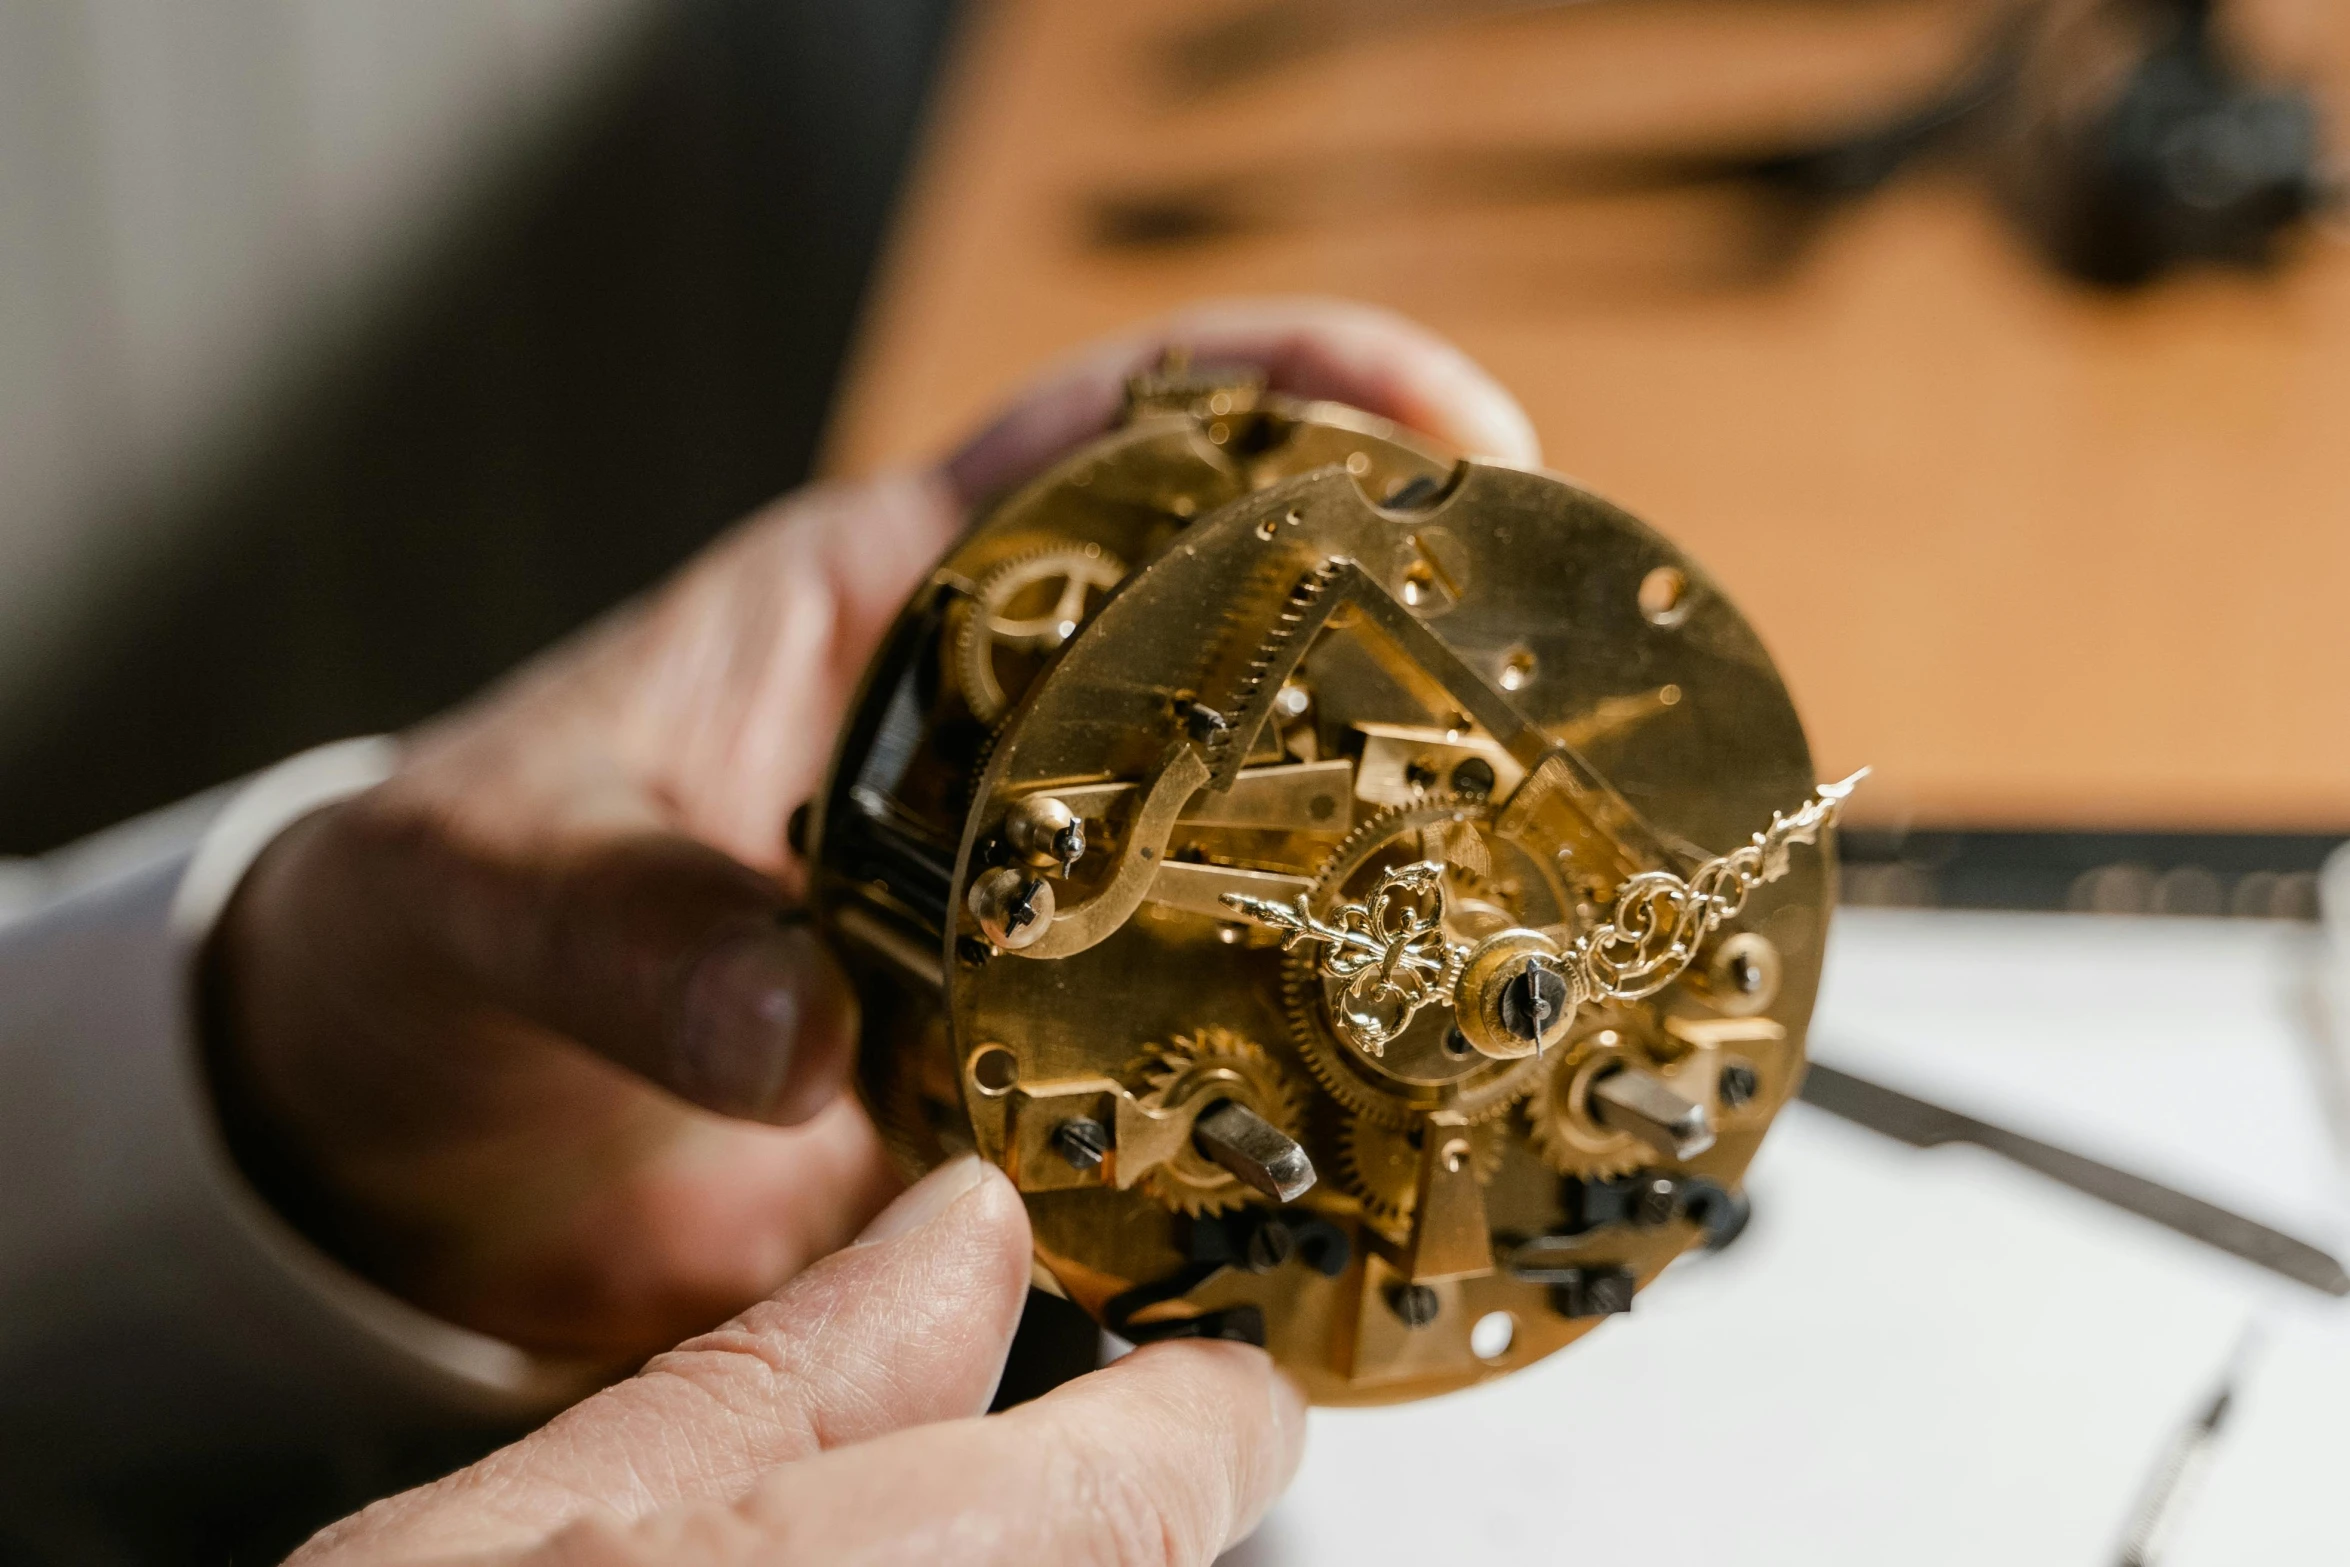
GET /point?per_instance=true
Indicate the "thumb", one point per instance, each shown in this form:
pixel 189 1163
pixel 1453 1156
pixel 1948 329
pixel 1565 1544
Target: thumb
pixel 657 951
pixel 687 967
pixel 908 1326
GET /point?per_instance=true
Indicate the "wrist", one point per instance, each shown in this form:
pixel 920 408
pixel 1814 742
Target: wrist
pixel 247 975
pixel 231 955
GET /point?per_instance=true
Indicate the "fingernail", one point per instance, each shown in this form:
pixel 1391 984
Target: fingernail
pixel 926 1199
pixel 750 1005
pixel 1491 422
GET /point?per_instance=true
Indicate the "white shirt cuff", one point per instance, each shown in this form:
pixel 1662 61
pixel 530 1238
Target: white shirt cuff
pixel 133 1254
pixel 479 1368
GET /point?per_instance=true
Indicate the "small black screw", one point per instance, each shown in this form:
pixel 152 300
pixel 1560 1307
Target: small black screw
pixel 1083 1141
pixel 1204 723
pixel 1739 1084
pixel 1020 913
pixel 1656 1202
pixel 1456 1044
pixel 1415 1305
pixel 1531 1000
pixel 1269 1245
pixel 1592 1292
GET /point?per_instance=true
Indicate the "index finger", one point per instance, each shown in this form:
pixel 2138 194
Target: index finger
pixel 1374 359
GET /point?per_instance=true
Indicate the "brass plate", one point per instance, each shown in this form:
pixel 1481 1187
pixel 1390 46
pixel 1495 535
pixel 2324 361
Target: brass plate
pixel 1296 689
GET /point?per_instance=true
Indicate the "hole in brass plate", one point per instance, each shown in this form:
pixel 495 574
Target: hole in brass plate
pixel 1664 596
pixel 1419 583
pixel 994 1069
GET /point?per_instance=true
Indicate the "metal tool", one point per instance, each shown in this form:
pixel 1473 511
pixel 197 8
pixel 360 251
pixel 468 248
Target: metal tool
pixel 1923 1124
pixel 2177 1478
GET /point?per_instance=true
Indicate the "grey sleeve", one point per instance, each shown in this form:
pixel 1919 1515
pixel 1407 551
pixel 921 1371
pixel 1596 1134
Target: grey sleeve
pixel 162 1331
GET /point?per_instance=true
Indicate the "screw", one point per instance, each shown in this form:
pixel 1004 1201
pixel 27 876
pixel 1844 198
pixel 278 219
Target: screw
pixel 1269 1246
pixel 1592 1292
pixel 1532 1000
pixel 1655 1202
pixel 1083 1141
pixel 1739 1084
pixel 1414 1305
pixel 1204 723
pixel 1013 908
pixel 1745 972
pixel 1046 833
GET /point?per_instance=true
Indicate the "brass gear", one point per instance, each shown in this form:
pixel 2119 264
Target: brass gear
pixel 1485 1088
pixel 1380 1164
pixel 1562 1132
pixel 1218 1061
pixel 1025 607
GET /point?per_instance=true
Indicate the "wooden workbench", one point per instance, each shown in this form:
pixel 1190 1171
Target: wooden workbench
pixel 2044 557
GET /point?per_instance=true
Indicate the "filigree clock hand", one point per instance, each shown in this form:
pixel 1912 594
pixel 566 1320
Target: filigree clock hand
pixel 1391 958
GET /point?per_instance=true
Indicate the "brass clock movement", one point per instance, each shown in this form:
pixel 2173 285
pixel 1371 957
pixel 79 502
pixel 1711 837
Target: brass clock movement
pixel 1369 903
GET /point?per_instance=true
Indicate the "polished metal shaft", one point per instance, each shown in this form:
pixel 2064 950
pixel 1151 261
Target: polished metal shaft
pixel 1647 1107
pixel 1265 1158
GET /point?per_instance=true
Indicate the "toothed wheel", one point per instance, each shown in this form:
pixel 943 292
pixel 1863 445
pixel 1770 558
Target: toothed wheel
pixel 1424 1068
pixel 1557 1114
pixel 1381 1165
pixel 1309 618
pixel 1212 1064
pixel 1020 614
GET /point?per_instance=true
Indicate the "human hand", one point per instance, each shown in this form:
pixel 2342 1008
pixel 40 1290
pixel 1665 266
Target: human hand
pixel 836 1423
pixel 502 1032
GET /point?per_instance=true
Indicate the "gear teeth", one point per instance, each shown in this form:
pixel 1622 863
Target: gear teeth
pixel 1302 996
pixel 1089 565
pixel 1163 1069
pixel 1558 1146
pixel 1381 1168
pixel 1302 598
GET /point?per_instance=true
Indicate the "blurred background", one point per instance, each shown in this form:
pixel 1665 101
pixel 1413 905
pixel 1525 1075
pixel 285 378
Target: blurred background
pixel 351 350
pixel 1994 354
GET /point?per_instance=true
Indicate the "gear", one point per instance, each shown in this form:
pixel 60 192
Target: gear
pixel 1563 1132
pixel 1439 826
pixel 1019 614
pixel 1381 1164
pixel 1217 1063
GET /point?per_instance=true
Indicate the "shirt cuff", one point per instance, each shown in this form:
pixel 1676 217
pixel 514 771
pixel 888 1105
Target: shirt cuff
pixel 153 1307
pixel 475 1367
